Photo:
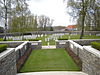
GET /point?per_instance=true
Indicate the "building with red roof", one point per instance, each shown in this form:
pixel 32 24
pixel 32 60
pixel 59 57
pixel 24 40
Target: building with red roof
pixel 71 28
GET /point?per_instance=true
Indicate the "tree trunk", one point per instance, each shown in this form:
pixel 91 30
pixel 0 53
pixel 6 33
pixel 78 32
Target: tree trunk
pixel 5 24
pixel 82 31
pixel 83 13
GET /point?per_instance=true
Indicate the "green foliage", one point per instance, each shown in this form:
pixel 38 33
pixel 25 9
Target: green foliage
pixel 49 60
pixel 3 47
pixel 33 39
pixel 95 45
pixel 1 39
pixel 62 39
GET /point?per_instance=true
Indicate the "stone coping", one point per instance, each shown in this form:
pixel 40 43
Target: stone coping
pixel 54 73
pixel 11 41
pixel 92 50
pixel 35 41
pixel 76 44
pixel 20 46
pixel 84 39
pixel 6 52
pixel 60 40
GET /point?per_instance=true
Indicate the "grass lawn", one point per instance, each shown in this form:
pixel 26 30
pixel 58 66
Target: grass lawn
pixel 78 36
pixel 49 60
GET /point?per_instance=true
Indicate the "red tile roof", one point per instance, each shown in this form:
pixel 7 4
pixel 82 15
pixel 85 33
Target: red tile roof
pixel 71 26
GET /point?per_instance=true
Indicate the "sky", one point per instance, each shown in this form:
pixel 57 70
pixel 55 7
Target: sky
pixel 55 9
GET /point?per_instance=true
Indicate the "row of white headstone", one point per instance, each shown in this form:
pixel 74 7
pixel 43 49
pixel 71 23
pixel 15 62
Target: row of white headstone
pixel 51 37
pixel 54 37
pixel 23 37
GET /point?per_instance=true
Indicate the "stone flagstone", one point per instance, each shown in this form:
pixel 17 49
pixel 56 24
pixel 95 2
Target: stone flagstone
pixel 54 73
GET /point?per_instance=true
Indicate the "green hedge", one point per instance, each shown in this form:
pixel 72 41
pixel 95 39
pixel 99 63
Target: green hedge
pixel 3 47
pixel 95 45
pixel 33 39
pixel 62 39
pixel 1 39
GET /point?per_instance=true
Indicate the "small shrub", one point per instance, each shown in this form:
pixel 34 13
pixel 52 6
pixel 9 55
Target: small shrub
pixel 1 39
pixel 62 39
pixel 95 45
pixel 3 47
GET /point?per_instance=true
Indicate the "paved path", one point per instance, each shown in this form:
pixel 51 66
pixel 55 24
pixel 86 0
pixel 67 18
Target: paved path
pixel 54 73
pixel 49 47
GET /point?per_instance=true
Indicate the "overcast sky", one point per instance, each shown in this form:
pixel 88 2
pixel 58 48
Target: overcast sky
pixel 55 9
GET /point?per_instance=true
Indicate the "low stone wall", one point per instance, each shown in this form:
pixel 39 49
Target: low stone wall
pixel 22 53
pixel 36 44
pixel 8 62
pixel 91 60
pixel 61 43
pixel 89 56
pixel 14 58
pixel 86 41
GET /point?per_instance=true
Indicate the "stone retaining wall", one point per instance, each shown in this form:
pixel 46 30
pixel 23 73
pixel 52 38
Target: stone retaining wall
pixel 86 41
pixel 61 43
pixel 89 56
pixel 8 62
pixel 91 60
pixel 36 44
pixel 14 58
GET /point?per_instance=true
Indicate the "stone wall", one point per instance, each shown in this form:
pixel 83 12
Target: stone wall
pixel 91 60
pixel 36 44
pixel 86 41
pixel 22 53
pixel 8 62
pixel 89 56
pixel 12 60
pixel 61 43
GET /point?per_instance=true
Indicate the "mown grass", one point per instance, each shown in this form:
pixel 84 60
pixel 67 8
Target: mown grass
pixel 49 60
pixel 78 37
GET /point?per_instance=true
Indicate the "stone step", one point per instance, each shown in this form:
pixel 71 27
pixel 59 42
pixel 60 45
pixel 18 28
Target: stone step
pixel 54 73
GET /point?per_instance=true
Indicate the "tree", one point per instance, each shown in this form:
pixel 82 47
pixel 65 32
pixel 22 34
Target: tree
pixel 80 10
pixel 20 17
pixel 1 29
pixel 44 22
pixel 5 6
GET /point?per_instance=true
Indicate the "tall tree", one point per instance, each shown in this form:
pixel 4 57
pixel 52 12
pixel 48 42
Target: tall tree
pixel 80 10
pixel 44 22
pixel 5 7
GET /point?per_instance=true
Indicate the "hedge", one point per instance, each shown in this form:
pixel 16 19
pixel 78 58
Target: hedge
pixel 33 39
pixel 62 39
pixel 3 47
pixel 95 45
pixel 1 39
